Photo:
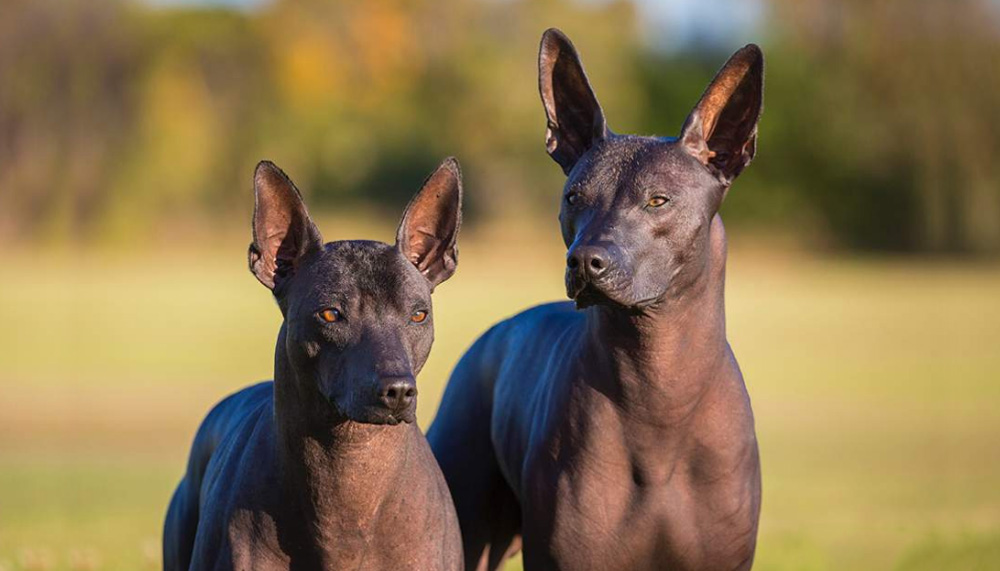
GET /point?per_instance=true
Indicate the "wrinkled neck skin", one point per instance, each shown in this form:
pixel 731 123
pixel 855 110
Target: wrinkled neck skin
pixel 663 359
pixel 335 474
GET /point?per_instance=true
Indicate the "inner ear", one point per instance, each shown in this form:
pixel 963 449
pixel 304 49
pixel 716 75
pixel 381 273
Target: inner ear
pixel 721 131
pixel 428 232
pixel 575 120
pixel 283 232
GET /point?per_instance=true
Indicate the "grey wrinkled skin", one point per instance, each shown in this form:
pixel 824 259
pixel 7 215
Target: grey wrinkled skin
pixel 324 468
pixel 615 431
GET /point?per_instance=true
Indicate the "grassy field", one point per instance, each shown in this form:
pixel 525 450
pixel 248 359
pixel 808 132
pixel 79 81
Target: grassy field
pixel 875 383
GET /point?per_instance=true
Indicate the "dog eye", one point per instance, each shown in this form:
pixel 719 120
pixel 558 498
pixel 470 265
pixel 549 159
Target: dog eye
pixel 418 316
pixel 657 201
pixel 331 315
pixel 572 198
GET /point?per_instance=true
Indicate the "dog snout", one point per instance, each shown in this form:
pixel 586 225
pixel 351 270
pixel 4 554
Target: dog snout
pixel 589 261
pixel 398 394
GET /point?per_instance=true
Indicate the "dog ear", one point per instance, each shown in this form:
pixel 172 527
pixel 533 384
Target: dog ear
pixel 428 232
pixel 721 131
pixel 575 121
pixel 282 231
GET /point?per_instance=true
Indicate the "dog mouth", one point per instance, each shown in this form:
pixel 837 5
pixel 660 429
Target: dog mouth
pixel 587 294
pixel 381 416
pixel 393 419
pixel 375 414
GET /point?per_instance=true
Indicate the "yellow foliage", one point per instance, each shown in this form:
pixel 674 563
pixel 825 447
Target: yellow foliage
pixel 389 55
pixel 311 67
pixel 170 165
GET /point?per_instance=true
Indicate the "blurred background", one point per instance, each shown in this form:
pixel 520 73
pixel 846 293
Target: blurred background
pixel 864 283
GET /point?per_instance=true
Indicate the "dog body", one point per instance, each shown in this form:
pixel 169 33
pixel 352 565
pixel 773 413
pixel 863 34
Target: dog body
pixel 324 468
pixel 617 434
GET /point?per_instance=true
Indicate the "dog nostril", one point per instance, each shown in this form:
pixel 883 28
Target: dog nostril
pixel 573 263
pixel 397 396
pixel 597 263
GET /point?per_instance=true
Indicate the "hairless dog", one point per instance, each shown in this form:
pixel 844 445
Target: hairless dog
pixel 324 468
pixel 617 434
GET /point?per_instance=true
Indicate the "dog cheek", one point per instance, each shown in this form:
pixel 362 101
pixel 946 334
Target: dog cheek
pixel 420 350
pixel 661 232
pixel 311 349
pixel 300 341
pixel 328 368
pixel 567 227
pixel 647 282
pixel 677 264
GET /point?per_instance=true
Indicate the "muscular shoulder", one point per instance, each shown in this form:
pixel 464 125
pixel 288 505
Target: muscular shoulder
pixel 228 415
pixel 540 321
pixel 242 402
pixel 237 430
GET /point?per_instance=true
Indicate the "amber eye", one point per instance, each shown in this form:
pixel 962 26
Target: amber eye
pixel 419 316
pixel 657 201
pixel 572 198
pixel 330 315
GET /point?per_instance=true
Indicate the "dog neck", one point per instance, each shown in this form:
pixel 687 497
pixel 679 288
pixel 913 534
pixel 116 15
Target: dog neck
pixel 663 359
pixel 335 474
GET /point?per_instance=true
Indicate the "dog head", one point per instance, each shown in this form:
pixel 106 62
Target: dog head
pixel 358 323
pixel 636 211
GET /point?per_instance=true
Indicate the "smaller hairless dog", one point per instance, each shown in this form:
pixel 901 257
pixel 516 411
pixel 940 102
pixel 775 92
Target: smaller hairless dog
pixel 324 468
pixel 617 435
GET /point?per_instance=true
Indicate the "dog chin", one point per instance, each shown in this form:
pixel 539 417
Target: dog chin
pixel 590 295
pixel 379 417
pixel 375 415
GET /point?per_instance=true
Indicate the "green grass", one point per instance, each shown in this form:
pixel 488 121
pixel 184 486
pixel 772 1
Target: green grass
pixel 875 386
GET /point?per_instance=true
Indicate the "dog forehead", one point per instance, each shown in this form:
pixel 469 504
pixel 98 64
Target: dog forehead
pixel 628 164
pixel 606 163
pixel 667 166
pixel 374 272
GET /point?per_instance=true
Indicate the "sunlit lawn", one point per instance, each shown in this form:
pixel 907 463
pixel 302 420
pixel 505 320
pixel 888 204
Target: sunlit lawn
pixel 876 386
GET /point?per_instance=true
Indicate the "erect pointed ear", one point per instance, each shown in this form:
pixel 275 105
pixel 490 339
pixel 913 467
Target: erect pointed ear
pixel 282 231
pixel 721 131
pixel 575 119
pixel 428 232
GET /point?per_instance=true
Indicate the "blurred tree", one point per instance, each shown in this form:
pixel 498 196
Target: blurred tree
pixel 120 120
pixel 889 116
pixel 66 71
pixel 197 103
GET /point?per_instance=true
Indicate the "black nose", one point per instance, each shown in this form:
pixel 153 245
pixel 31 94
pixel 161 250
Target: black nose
pixel 590 260
pixel 398 393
